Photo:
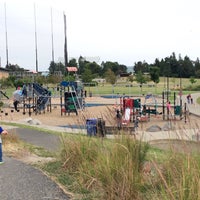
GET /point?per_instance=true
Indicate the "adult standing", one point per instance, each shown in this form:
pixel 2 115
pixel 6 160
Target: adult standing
pixel 17 98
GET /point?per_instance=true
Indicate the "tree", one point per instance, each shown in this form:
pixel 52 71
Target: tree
pixel 57 67
pixel 14 67
pixel 52 67
pixel 110 77
pixel 81 63
pixel 114 66
pixel 94 68
pixel 155 74
pixel 192 80
pixel 140 78
pixel 141 66
pixel 72 63
pixel 87 76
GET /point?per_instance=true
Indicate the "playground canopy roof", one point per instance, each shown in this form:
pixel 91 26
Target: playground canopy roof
pixel 71 69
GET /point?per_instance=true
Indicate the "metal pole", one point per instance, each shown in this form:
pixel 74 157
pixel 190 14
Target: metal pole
pixel 65 45
pixel 52 42
pixel 6 36
pixel 180 96
pixel 36 53
pixel 163 108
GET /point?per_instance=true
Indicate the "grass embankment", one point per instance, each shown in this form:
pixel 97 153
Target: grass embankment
pixel 120 168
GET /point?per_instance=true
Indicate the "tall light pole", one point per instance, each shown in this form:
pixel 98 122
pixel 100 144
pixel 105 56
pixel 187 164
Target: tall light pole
pixel 6 35
pixel 52 42
pixel 36 51
pixel 65 44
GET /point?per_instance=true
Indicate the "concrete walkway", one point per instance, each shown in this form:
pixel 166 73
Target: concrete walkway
pixel 20 181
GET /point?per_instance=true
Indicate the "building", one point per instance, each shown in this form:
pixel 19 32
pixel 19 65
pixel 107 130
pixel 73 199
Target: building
pixel 4 73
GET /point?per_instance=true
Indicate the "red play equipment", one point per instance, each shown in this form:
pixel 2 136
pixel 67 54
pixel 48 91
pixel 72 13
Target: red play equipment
pixel 129 108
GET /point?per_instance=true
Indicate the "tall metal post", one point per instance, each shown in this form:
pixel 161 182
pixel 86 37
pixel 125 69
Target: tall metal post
pixel 65 45
pixel 52 42
pixel 168 89
pixel 181 104
pixel 7 62
pixel 36 51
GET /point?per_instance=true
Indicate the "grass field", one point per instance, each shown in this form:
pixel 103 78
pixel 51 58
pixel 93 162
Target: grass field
pixel 129 88
pixel 135 89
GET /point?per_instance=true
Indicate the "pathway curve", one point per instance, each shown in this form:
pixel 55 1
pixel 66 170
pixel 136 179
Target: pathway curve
pixel 20 181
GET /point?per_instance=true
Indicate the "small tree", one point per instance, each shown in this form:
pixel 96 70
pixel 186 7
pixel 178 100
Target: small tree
pixel 140 78
pixel 154 74
pixel 110 77
pixel 192 80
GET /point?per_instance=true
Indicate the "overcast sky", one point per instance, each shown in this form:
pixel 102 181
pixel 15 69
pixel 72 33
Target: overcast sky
pixel 123 31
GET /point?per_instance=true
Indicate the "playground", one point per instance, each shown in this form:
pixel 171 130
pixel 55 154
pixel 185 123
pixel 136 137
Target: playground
pixel 68 111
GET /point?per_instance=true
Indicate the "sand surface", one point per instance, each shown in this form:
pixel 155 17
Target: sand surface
pixel 107 112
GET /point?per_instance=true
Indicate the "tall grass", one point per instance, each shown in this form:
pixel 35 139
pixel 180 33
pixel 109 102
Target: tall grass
pixel 124 168
pixel 112 168
pixel 177 177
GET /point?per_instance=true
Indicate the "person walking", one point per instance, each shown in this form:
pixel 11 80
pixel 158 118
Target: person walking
pixel 2 132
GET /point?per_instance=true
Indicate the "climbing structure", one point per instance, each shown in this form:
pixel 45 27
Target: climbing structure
pixel 43 97
pixel 71 97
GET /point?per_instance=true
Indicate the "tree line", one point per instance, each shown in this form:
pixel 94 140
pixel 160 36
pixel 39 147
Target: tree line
pixel 170 66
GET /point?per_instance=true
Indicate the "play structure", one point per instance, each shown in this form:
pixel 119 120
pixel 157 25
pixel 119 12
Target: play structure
pixel 71 97
pixel 130 109
pixel 133 110
pixel 173 110
pixel 37 99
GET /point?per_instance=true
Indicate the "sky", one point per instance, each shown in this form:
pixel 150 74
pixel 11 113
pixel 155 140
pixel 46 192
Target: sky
pixel 123 31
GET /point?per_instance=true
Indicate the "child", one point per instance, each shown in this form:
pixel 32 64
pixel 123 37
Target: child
pixel 4 132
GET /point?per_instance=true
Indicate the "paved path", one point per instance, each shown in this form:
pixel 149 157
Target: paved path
pixel 20 181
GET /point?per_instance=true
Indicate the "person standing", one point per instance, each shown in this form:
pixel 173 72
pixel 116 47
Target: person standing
pixel 119 120
pixel 17 98
pixel 2 132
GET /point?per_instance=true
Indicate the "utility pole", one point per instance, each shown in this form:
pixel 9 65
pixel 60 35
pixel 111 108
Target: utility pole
pixel 52 42
pixel 6 35
pixel 65 45
pixel 36 53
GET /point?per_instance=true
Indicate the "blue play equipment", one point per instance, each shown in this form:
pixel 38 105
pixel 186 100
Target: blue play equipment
pixel 38 99
pixel 43 97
